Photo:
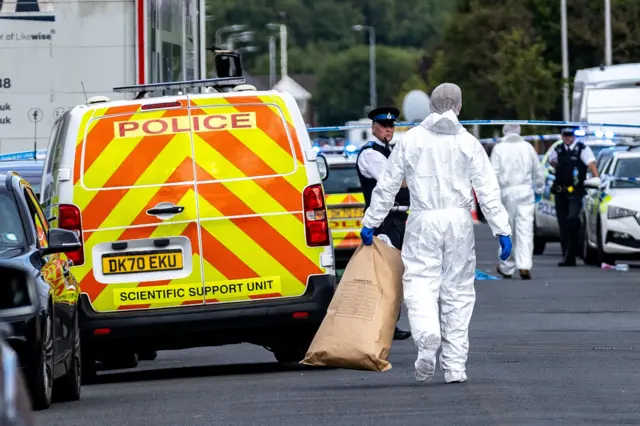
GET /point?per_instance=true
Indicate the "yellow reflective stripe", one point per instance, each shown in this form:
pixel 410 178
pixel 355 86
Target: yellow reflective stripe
pixel 257 199
pixel 283 109
pixel 247 250
pixel 276 157
pixel 83 129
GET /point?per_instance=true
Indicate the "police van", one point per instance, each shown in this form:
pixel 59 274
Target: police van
pixel 202 218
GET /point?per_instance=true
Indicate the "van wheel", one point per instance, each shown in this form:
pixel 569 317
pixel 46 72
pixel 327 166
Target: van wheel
pixel 121 361
pixel 40 379
pixel 293 350
pixel 147 355
pixel 68 387
pixel 88 366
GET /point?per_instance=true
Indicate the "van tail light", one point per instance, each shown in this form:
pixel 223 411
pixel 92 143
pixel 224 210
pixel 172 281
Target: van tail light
pixel 315 216
pixel 71 220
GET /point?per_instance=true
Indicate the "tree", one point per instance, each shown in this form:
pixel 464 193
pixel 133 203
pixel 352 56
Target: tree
pixel 343 81
pixel 525 80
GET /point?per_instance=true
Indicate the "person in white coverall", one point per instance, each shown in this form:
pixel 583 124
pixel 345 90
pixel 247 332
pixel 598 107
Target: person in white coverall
pixel 521 180
pixel 441 163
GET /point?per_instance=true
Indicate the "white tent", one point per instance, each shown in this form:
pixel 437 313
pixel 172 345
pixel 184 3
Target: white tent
pixel 289 85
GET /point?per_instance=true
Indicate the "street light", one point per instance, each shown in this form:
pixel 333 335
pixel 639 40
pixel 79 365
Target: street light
pixel 243 37
pixel 607 33
pixel 283 46
pixel 565 60
pixel 372 62
pixel 228 29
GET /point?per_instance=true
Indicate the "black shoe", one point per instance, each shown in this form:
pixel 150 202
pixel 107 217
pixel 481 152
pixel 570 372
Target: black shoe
pixel 525 274
pixel 401 334
pixel 567 262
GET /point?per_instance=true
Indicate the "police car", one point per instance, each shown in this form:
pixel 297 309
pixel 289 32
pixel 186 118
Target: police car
pixel 612 211
pixel 545 222
pixel 344 200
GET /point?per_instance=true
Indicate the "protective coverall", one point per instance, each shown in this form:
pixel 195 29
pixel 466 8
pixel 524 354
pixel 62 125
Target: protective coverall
pixel 440 162
pixel 519 174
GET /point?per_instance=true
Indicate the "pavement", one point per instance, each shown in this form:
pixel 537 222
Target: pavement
pixel 563 348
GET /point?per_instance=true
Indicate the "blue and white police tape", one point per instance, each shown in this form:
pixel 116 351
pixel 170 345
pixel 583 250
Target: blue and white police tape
pixel 484 123
pixel 24 155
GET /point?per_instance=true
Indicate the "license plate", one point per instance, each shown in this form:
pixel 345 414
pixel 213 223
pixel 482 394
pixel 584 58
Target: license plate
pixel 355 213
pixel 147 261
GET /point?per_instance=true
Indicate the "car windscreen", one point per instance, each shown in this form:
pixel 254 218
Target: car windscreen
pixel 626 168
pixel 11 227
pixel 342 180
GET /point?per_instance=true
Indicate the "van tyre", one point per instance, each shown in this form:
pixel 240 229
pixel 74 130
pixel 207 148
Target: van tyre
pixel 147 355
pixel 40 378
pixel 290 354
pixel 68 388
pixel 89 367
pixel 121 361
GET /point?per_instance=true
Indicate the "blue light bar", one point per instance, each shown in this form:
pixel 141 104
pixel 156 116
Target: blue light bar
pixel 351 148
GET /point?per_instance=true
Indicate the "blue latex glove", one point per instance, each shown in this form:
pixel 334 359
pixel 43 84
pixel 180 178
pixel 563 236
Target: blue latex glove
pixel 505 246
pixel 367 235
pixel 537 198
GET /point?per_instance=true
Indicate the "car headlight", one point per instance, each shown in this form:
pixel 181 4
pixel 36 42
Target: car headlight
pixel 618 212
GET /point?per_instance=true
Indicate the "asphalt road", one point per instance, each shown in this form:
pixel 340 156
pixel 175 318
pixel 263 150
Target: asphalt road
pixel 563 348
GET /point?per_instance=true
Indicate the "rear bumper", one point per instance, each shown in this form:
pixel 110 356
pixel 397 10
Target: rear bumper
pixel 209 325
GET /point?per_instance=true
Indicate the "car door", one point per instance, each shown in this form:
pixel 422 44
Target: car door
pixel 53 269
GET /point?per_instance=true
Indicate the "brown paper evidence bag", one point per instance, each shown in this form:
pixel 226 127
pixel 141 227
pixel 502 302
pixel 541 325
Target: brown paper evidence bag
pixel 357 331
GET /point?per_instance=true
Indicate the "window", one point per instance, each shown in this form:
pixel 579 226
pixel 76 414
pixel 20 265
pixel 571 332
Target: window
pixel 342 180
pixel 11 227
pixel 39 221
pixel 626 168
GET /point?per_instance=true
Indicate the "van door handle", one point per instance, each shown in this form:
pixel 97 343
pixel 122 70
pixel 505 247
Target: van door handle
pixel 165 210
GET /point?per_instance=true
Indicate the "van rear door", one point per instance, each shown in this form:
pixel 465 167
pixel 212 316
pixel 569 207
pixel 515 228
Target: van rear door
pixel 134 184
pixel 251 182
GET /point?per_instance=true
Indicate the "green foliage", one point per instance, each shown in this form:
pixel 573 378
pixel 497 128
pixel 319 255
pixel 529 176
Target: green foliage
pixel 343 81
pixel 525 81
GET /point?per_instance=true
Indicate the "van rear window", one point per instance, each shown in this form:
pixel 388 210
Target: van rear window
pixel 242 141
pixel 150 148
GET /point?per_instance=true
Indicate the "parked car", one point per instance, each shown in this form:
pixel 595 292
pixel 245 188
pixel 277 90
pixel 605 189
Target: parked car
pixel 545 220
pixel 31 171
pixel 612 211
pixel 17 299
pixel 47 341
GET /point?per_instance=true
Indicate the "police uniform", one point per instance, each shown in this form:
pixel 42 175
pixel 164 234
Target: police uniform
pixel 369 165
pixel 570 173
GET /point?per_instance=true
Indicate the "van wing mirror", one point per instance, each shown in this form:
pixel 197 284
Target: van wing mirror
pixel 18 292
pixel 323 167
pixel 62 241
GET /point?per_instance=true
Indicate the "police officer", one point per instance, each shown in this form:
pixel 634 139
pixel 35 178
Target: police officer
pixel 370 163
pixel 571 160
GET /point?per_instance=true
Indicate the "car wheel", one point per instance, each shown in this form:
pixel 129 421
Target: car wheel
pixel 68 388
pixel 589 255
pixel 603 257
pixel 41 380
pixel 147 355
pixel 539 242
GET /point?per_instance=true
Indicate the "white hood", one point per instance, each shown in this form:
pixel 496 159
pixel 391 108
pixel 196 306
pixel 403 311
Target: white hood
pixel 446 123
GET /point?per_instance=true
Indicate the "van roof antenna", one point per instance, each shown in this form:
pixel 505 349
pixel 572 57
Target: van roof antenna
pixel 86 99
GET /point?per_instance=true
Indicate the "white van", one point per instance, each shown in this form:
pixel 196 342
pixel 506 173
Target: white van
pixel 202 218
pixel 608 95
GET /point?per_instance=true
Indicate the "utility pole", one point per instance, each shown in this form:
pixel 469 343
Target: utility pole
pixel 272 61
pixel 372 63
pixel 283 50
pixel 565 60
pixel 607 33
